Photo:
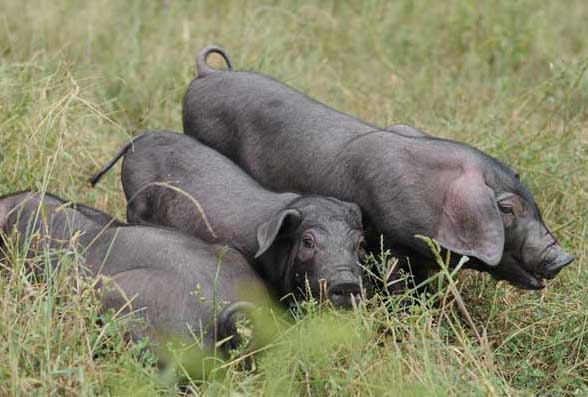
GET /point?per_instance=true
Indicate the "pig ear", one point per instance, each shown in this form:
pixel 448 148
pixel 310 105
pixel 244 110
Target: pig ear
pixel 470 222
pixel 268 232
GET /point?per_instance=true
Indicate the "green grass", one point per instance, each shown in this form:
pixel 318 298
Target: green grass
pixel 77 80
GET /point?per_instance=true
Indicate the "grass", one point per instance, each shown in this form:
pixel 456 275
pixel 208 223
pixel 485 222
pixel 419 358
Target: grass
pixel 77 80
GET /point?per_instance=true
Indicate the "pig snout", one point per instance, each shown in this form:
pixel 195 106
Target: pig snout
pixel 342 293
pixel 555 261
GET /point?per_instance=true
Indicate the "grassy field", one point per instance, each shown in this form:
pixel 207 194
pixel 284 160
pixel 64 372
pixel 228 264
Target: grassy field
pixel 77 79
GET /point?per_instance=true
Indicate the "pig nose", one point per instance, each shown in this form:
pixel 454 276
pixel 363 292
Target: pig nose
pixel 343 293
pixel 555 266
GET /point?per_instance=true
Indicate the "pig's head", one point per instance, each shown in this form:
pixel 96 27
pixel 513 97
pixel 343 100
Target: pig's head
pixel 489 215
pixel 315 243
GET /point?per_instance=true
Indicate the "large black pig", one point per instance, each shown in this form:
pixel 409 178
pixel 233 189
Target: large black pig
pixel 407 183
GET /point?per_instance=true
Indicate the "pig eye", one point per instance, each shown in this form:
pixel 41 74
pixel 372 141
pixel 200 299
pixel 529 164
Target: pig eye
pixel 308 241
pixel 505 208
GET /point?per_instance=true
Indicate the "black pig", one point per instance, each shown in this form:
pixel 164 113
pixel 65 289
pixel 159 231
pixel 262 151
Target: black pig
pixel 290 239
pixel 178 285
pixel 407 183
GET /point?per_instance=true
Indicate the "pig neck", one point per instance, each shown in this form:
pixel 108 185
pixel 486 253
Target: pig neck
pixel 275 266
pixel 411 162
pixel 380 156
pixel 387 173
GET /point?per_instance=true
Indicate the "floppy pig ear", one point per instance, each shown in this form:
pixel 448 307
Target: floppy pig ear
pixel 268 232
pixel 470 222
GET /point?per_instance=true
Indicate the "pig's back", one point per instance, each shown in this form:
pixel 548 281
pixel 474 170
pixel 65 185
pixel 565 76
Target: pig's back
pixel 276 133
pixel 204 193
pixel 159 250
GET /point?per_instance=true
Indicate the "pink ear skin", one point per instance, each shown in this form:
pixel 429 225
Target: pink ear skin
pixel 470 222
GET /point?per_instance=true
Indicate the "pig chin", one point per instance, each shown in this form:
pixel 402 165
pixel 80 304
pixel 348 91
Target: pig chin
pixel 533 276
pixel 520 275
pixel 513 271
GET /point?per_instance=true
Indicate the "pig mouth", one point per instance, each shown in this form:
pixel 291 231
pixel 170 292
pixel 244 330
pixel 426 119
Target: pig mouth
pixel 525 278
pixel 518 273
pixel 534 280
pixel 513 271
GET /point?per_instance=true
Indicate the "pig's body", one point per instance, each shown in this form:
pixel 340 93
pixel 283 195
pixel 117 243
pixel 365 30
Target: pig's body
pixel 406 182
pixel 179 286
